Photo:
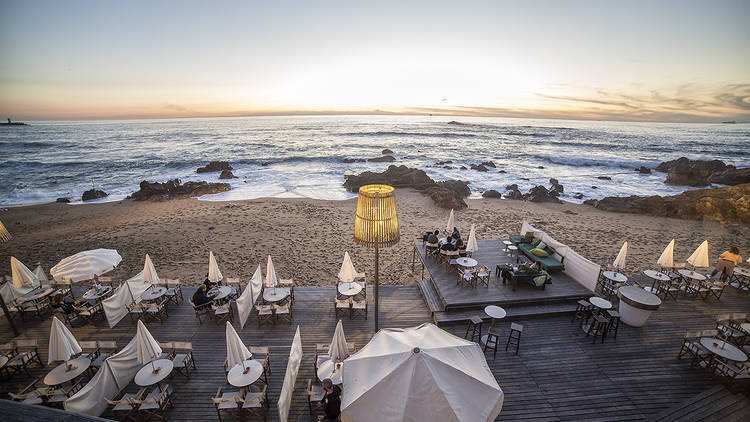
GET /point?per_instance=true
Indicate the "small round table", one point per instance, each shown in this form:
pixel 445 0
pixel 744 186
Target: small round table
pixel 692 274
pixel 61 374
pixel 723 349
pixel 512 249
pixel 326 370
pixel 740 273
pixel 146 375
pixel 600 303
pixel 615 276
pixel 506 243
pixel 94 293
pixel 349 289
pixel 219 293
pixel 494 312
pixel 745 326
pixel 636 305
pixel 467 262
pixel 153 293
pixel 656 276
pixel 37 294
pixel 275 294
pixel 246 373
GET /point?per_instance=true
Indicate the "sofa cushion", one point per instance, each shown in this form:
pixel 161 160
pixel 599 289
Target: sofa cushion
pixel 536 242
pixel 541 245
pixel 539 252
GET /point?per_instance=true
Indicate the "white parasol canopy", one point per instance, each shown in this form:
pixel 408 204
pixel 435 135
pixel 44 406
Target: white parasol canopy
pixel 699 258
pixel 666 259
pixel 214 275
pixel 422 373
pixel 148 349
pixel 620 259
pixel 347 273
pixel 85 265
pixel 62 343
pixel 40 274
pixel 22 275
pixel 471 244
pixel 236 350
pixel 449 227
pixel 271 279
pixel 149 272
pixel 338 350
pixel 247 299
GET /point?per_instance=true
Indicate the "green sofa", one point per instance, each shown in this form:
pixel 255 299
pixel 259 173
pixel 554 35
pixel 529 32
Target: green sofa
pixel 549 263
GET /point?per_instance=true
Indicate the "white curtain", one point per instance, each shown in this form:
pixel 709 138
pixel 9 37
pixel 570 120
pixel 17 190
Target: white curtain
pixel 22 275
pixel 290 377
pixel 115 306
pixel 247 299
pixel 9 292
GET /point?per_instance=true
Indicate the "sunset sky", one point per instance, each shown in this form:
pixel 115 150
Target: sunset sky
pixel 627 60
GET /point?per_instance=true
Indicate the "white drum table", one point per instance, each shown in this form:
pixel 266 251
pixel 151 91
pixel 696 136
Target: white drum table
pixel 350 289
pixel 494 312
pixel 723 349
pixel 154 372
pixel 61 374
pixel 328 370
pixel 246 373
pixel 636 305
pixel 275 294
pixel 467 262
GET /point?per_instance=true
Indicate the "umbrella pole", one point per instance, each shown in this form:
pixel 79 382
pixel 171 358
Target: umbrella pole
pixel 131 292
pixel 377 282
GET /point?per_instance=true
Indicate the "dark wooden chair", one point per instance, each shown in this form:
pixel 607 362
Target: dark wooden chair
pixel 614 322
pixel 514 338
pixel 493 338
pixel 582 312
pixel 598 328
pixel 474 327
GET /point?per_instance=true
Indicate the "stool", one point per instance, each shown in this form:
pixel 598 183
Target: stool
pixel 599 328
pixel 493 336
pixel 514 339
pixel 475 324
pixel 614 321
pixel 583 311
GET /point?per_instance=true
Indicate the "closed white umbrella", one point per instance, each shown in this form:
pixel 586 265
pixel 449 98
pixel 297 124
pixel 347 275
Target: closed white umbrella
pixel 347 273
pixel 471 244
pixel 620 259
pixel 148 349
pixel 237 353
pixel 62 343
pixel 40 274
pixel 22 275
pixel 666 260
pixel 214 275
pixel 449 227
pixel 699 258
pixel 423 374
pixel 85 265
pixel 338 350
pixel 149 272
pixel 271 279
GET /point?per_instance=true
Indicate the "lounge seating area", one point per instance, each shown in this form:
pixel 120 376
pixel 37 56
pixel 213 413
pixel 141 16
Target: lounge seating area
pixel 531 247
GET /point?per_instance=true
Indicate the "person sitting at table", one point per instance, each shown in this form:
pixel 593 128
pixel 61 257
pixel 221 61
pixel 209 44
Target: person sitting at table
pixel 459 244
pixel 448 245
pixel 726 263
pixel 199 297
pixel 433 237
pixel 331 402
pixel 209 284
pixel 456 234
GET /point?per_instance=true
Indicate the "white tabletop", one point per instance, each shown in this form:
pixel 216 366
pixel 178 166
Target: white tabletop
pixel 146 376
pixel 467 262
pixel 742 271
pixel 326 370
pixel 218 293
pixel 512 247
pixel 61 374
pixel 38 294
pixel 153 293
pixel 692 274
pixel 600 303
pixel 639 298
pixel 94 293
pixel 507 242
pixel 246 373
pixel 349 289
pixel 723 349
pixel 656 275
pixel 615 276
pixel 495 311
pixel 745 326
pixel 275 294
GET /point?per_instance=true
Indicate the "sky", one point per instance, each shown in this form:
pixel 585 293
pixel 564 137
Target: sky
pixel 676 61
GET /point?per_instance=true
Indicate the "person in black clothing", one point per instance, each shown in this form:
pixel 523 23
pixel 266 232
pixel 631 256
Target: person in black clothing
pixel 199 297
pixel 456 234
pixel 459 243
pixel 433 237
pixel 208 283
pixel 331 403
pixel 448 246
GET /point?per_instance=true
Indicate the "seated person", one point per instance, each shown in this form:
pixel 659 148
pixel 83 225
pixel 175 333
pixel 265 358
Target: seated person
pixel 433 237
pixel 199 297
pixel 448 246
pixel 456 234
pixel 536 266
pixel 460 244
pixel 209 284
pixel 331 402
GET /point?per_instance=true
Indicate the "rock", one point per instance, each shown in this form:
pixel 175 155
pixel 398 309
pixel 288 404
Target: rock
pixel 175 188
pixel 386 151
pixel 731 176
pixel 479 167
pixel 383 159
pixel 93 194
pixel 578 195
pixel 541 194
pixel 513 194
pixel 591 202
pixel 211 227
pixel 441 163
pixel 63 200
pixel 463 167
pixel 354 160
pixel 525 178
pixel 214 166
pixel 512 187
pixel 227 174
pixel 492 193
pixel 540 167
pixel 501 171
pixel 489 164
pixel 643 170
pixel 726 204
pixel 453 122
pixel 448 167
pixel 683 171
pixel 557 188
pixel 459 186
pixel 446 198
pixel 604 177
pixel 594 187
pixel 265 163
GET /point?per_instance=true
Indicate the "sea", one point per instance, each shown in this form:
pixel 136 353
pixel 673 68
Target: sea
pixel 303 156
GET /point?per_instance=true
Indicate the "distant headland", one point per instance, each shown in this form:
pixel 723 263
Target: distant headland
pixel 10 123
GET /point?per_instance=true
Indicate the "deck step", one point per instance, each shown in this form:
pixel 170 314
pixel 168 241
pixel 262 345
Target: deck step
pixel 514 312
pixel 430 296
pixel 715 404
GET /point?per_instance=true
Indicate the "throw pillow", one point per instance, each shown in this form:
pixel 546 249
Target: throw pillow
pixel 539 252
pixel 541 245
pixel 539 280
pixel 536 242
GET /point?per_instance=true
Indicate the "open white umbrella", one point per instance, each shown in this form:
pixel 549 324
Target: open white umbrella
pixel 347 273
pixel 699 258
pixel 85 265
pixel 247 299
pixel 449 227
pixel 471 244
pixel 338 350
pixel 149 272
pixel 214 275
pixel 62 343
pixel 424 374
pixel 271 279
pixel 620 259
pixel 22 275
pixel 40 274
pixel 666 260
pixel 237 353
pixel 148 349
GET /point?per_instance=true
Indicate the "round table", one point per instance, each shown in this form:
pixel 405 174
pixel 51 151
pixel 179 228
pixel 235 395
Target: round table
pixel 506 243
pixel 494 312
pixel 349 289
pixel 657 277
pixel 326 370
pixel 692 274
pixel 37 294
pixel 219 293
pixel 636 305
pixel 153 293
pixel 467 262
pixel 61 374
pixel 275 294
pixel 745 326
pixel 246 373
pixel 146 375
pixel 97 293
pixel 600 303
pixel 615 276
pixel 742 271
pixel 723 349
pixel 512 249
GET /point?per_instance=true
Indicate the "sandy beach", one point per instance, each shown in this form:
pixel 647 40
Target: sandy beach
pixel 307 238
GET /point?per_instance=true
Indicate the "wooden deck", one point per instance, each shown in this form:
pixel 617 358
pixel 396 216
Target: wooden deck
pixel 558 376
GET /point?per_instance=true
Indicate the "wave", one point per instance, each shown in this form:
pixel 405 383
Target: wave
pixel 594 162
pixel 419 134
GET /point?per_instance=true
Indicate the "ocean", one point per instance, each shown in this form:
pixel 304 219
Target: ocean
pixel 302 156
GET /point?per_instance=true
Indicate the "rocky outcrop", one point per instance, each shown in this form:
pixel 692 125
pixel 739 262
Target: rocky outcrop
pixel 513 194
pixel 386 151
pixel 727 204
pixel 354 160
pixel 92 194
pixel 175 188
pixel 541 194
pixel 479 167
pixel 731 176
pixel 442 163
pixel 578 195
pixel 214 166
pixel 685 172
pixel 227 174
pixel 383 159
pixel 63 200
pixel 453 122
pixel 643 170
pixel 604 178
pixel 492 193
pixel 556 188
pixel 447 194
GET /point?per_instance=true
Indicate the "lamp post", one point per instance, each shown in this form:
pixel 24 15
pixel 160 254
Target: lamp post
pixel 376 225
pixel 4 237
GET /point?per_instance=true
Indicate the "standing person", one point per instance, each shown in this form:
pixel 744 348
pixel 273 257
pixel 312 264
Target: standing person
pixel 331 403
pixel 726 263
